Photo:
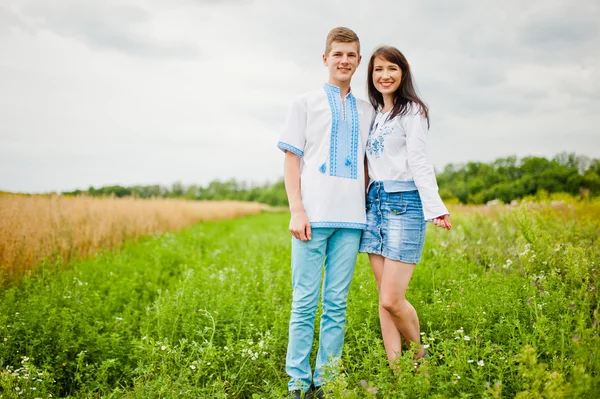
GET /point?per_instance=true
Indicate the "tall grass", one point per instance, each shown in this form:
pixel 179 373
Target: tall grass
pixel 507 299
pixel 36 227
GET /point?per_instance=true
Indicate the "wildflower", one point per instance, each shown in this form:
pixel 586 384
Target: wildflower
pixel 480 363
pixel 422 333
pixel 484 313
pixel 425 346
pixel 467 338
pixel 193 367
pixel 470 361
pixel 162 348
pixel 459 331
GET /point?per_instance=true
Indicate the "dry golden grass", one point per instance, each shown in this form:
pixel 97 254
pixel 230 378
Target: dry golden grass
pixel 36 227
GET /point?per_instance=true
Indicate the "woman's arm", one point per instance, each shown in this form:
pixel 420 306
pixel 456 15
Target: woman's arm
pixel 422 170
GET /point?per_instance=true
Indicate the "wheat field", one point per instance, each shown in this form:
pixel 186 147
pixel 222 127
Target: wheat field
pixel 37 227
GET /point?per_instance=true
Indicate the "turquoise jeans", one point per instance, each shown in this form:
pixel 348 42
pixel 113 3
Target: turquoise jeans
pixel 339 248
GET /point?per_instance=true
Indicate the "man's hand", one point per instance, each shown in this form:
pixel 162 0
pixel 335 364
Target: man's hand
pixel 300 226
pixel 443 221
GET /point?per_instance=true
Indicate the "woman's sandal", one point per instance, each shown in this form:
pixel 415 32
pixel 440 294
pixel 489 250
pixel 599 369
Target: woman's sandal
pixel 420 361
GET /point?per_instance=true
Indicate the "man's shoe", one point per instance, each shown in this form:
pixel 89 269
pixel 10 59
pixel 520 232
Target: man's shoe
pixel 318 393
pixel 295 394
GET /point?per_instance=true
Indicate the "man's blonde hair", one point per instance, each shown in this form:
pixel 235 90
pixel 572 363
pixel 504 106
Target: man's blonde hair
pixel 341 34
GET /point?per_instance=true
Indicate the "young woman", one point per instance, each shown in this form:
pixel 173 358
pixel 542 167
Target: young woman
pixel 402 195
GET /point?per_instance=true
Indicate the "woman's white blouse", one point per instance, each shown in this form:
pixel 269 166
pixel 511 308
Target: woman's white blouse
pixel 397 156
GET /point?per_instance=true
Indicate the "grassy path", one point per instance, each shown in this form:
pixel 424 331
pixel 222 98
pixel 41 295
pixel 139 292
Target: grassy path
pixel 507 304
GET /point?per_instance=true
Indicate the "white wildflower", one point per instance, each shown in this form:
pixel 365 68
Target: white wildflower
pixel 467 338
pixel 470 361
pixel 162 348
pixel 480 363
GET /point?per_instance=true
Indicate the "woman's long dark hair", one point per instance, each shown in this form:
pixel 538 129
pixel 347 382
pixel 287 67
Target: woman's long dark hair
pixel 406 93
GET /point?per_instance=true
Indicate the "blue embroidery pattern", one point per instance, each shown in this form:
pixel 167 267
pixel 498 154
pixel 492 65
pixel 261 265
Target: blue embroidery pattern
pixel 343 150
pixel 290 148
pixel 340 225
pixel 376 140
pixel 376 143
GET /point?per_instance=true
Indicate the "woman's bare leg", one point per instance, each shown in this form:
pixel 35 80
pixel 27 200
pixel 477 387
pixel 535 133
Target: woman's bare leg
pixel 392 341
pixel 392 298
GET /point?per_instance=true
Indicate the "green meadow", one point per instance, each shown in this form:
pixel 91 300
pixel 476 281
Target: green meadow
pixel 508 303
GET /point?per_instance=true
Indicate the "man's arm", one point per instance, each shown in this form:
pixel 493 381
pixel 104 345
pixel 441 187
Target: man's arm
pixel 299 224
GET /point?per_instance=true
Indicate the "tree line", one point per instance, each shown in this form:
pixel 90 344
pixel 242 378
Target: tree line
pixel 508 179
pixel 269 193
pixel 505 179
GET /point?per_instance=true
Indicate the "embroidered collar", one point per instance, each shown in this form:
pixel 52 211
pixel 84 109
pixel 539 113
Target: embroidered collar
pixel 338 90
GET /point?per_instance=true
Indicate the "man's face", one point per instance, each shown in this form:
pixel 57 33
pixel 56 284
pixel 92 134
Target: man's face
pixel 342 61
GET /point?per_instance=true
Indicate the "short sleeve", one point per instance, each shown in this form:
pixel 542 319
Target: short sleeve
pixel 293 137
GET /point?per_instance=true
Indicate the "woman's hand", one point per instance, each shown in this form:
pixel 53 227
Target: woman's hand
pixel 300 226
pixel 443 221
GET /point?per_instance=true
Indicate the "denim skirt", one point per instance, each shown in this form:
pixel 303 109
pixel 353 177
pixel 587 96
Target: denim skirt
pixel 395 225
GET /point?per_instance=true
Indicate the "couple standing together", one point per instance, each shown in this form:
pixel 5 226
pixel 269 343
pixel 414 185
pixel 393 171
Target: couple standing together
pixel 325 139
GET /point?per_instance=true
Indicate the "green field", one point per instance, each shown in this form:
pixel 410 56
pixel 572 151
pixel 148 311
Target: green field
pixel 507 300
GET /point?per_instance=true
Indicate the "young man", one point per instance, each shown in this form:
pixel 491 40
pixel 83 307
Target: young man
pixel 324 143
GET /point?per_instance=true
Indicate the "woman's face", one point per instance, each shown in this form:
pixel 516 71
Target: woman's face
pixel 386 76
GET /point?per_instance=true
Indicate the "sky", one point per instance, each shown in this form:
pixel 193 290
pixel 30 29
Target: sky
pixel 96 93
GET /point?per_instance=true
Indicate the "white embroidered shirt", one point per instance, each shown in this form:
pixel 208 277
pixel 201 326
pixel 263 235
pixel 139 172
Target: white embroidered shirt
pixel 329 133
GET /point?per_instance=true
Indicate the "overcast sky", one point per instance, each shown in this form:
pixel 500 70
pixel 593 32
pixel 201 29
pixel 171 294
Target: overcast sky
pixel 155 91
